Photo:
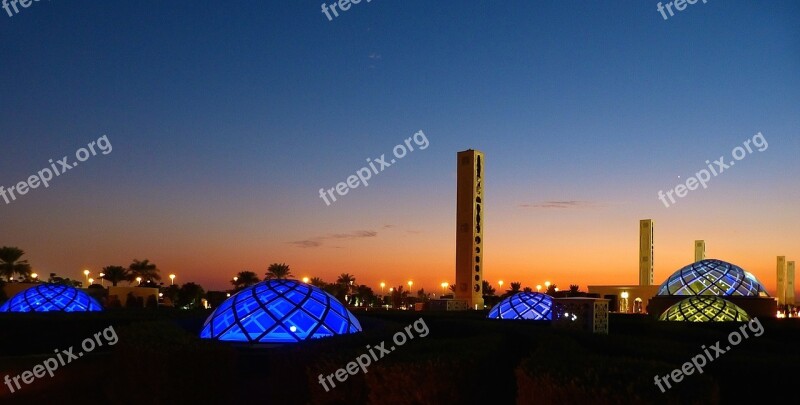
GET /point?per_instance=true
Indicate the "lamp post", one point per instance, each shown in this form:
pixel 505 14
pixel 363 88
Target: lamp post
pixel 305 280
pixel 139 280
pixel 86 273
pixel 410 284
pixel 444 287
pixel 34 276
pixel 172 279
pixel 101 278
pixel 538 287
pixel 91 281
pixel 383 285
pixel 500 283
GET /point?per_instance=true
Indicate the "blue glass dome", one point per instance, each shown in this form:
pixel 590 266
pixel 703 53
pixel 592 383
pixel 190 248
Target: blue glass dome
pixel 704 309
pixel 51 297
pixel 279 311
pixel 712 277
pixel 524 305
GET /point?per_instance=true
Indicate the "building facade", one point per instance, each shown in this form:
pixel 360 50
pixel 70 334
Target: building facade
pixel 469 228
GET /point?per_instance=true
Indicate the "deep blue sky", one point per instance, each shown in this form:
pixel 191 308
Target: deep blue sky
pixel 227 117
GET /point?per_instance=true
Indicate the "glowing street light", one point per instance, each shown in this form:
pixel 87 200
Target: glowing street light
pixel 410 284
pixel 444 287
pixel 235 279
pixel 172 279
pixel 500 283
pixel 538 287
pixel 383 285
pixel 91 281
pixel 86 273
pixel 139 280
pixel 34 276
pixel 546 285
pixel 101 278
pixel 305 280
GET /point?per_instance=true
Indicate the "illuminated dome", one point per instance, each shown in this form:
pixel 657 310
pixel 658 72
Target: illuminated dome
pixel 712 277
pixel 279 311
pixel 49 298
pixel 524 305
pixel 704 309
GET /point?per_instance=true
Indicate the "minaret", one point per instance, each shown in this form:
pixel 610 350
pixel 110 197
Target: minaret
pixel 469 228
pixel 699 250
pixel 790 283
pixel 781 280
pixel 646 252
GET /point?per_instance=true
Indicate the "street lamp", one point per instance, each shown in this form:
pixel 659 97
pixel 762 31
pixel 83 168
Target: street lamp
pixel 101 278
pixel 235 279
pixel 500 283
pixel 139 280
pixel 86 273
pixel 546 285
pixel 172 279
pixel 383 285
pixel 538 287
pixel 444 287
pixel 410 283
pixel 91 281
pixel 305 280
pixel 34 276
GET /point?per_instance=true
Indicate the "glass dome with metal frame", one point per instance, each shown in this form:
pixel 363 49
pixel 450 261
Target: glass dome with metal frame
pixel 705 309
pixel 524 305
pixel 279 311
pixel 712 277
pixel 51 298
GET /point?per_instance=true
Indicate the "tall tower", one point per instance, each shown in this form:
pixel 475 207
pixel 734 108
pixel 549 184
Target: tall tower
pixel 469 228
pixel 781 280
pixel 699 250
pixel 646 252
pixel 790 283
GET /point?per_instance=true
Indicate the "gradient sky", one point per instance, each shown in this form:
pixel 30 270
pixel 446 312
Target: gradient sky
pixel 226 118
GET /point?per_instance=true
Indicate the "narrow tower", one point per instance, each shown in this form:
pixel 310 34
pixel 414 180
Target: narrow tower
pixel 699 250
pixel 781 280
pixel 790 283
pixel 469 228
pixel 646 252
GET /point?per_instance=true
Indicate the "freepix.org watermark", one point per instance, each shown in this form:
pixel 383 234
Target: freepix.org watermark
pixel 698 362
pixel 8 5
pixel 363 361
pixel 343 5
pixel 43 177
pixel 680 5
pixel 719 166
pixel 62 358
pixel 365 173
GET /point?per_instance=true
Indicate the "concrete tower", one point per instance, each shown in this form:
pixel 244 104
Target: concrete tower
pixel 469 228
pixel 790 283
pixel 781 280
pixel 699 250
pixel 646 252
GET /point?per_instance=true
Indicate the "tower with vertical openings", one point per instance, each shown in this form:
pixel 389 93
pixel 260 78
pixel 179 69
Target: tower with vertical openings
pixel 469 227
pixel 790 283
pixel 699 250
pixel 781 280
pixel 646 252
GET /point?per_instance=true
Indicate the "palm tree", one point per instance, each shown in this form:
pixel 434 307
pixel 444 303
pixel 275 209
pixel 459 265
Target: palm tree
pixel 115 274
pixel 244 279
pixel 487 288
pixel 144 269
pixel 317 282
pixel 516 286
pixel 528 289
pixel 346 280
pixel 452 287
pixel 278 271
pixel 10 263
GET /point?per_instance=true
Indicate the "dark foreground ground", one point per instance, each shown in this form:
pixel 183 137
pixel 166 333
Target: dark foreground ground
pixel 464 359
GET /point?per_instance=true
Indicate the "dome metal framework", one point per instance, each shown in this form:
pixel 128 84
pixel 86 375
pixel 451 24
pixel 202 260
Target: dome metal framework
pixel 279 311
pixel 705 309
pixel 712 277
pixel 51 298
pixel 524 305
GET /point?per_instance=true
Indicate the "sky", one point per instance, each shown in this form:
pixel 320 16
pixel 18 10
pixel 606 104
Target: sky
pixel 225 119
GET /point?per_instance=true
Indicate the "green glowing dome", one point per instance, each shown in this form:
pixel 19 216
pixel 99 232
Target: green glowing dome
pixel 705 308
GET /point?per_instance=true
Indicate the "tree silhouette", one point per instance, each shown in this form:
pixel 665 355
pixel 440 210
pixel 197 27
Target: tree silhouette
pixel 244 279
pixel 115 274
pixel 278 271
pixel 144 269
pixel 11 265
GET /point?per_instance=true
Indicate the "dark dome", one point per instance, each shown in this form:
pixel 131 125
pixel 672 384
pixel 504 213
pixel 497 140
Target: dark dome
pixel 524 305
pixel 279 311
pixel 51 297
pixel 712 277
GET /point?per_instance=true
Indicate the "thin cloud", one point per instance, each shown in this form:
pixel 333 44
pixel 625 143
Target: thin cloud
pixel 563 205
pixel 318 241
